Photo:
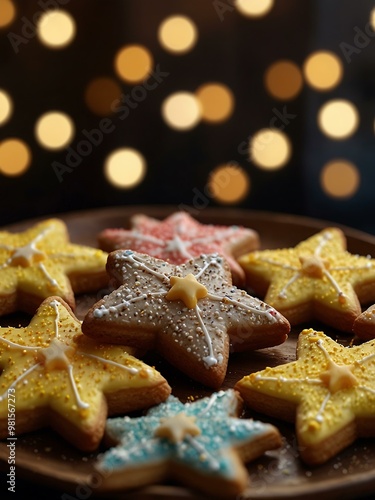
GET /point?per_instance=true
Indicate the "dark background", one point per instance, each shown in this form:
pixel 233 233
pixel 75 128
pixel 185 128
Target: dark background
pixel 234 50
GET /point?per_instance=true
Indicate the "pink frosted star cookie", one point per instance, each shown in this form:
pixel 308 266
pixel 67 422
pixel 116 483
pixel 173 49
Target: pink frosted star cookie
pixel 179 238
pixel 191 314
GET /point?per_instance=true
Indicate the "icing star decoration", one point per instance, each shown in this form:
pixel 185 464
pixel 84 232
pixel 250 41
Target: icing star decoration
pixel 318 279
pixel 41 262
pixel 58 376
pixel 329 391
pixel 179 238
pixel 190 313
pixel 212 443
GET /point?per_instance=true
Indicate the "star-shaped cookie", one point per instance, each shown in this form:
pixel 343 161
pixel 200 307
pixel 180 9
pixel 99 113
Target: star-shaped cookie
pixel 179 238
pixel 364 325
pixel 41 262
pixel 329 392
pixel 190 313
pixel 207 452
pixel 52 374
pixel 318 279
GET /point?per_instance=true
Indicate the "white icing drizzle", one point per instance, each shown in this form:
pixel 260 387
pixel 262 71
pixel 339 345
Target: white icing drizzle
pixel 103 311
pixel 63 255
pixel 18 346
pixel 334 283
pixel 365 388
pixel 210 403
pixel 209 360
pixel 323 241
pixel 365 359
pixel 130 369
pixel 176 244
pixel 55 305
pixel 285 379
pixel 227 300
pixel 352 268
pixel 277 264
pixel 18 379
pixel 319 343
pixel 218 236
pixel 148 238
pixel 282 293
pixel 319 416
pixel 138 261
pixel 81 404
pixel 52 281
pixel 204 455
pixel 126 454
pixel 212 262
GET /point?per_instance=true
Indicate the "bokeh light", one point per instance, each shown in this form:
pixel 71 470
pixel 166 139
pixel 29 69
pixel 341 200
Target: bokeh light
pixel 54 130
pixel 269 149
pixel 181 110
pixel 56 29
pixel 338 119
pixel 7 13
pixel 125 168
pixel 133 63
pixel 323 70
pixel 228 183
pixel 216 101
pixel 283 80
pixel 15 157
pixel 253 8
pixel 6 107
pixel 100 95
pixel 177 34
pixel 340 178
pixel 372 18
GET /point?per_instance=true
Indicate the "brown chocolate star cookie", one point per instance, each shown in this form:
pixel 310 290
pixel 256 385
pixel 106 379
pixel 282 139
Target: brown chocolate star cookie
pixel 191 314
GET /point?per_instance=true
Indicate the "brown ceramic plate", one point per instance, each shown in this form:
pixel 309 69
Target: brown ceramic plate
pixel 47 463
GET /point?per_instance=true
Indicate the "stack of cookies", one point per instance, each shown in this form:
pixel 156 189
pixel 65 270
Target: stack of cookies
pixel 194 293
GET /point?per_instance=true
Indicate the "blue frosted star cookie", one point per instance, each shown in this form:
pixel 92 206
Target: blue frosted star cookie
pixel 202 444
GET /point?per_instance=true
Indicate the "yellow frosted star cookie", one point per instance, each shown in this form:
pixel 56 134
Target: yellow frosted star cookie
pixel 364 325
pixel 318 279
pixel 329 392
pixel 41 262
pixel 52 374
